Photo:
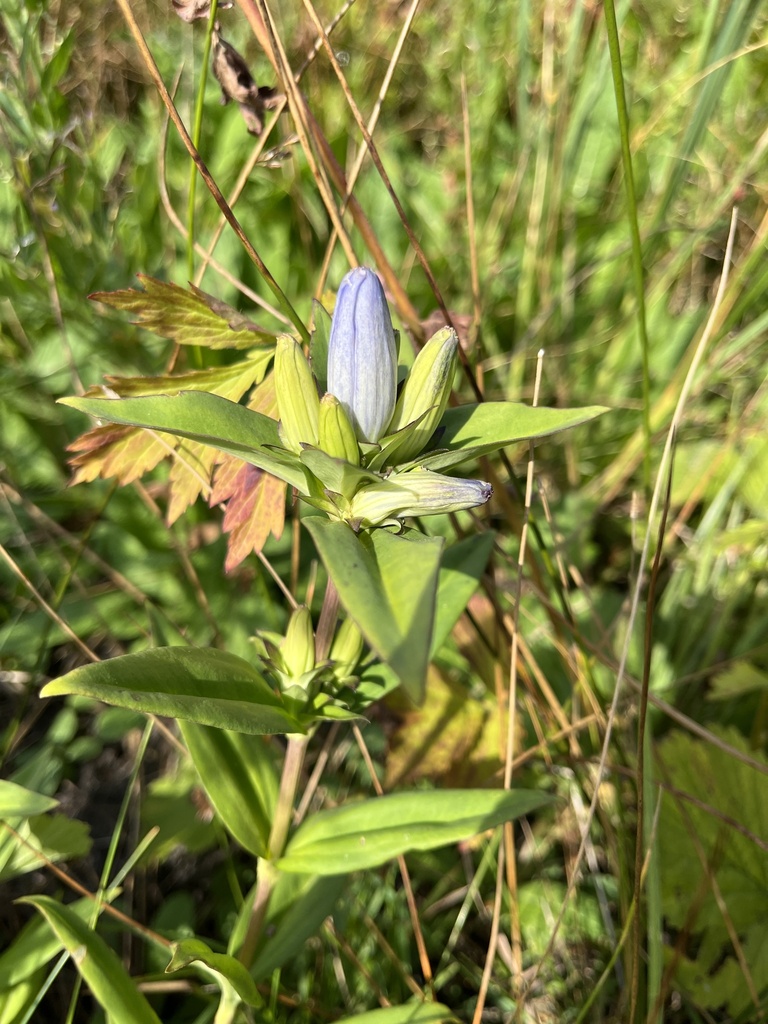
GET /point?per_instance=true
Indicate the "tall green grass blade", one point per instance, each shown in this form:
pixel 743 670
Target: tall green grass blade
pixel 638 274
pixel 99 966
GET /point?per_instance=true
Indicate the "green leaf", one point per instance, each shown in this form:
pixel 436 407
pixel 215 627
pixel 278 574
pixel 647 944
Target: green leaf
pixel 336 474
pixel 18 802
pixel 473 430
pixel 461 567
pixel 366 834
pixel 387 584
pixel 202 685
pixel 726 823
pixel 318 348
pixel 186 316
pixel 299 905
pixel 99 966
pixel 229 427
pixel 411 1013
pixel 34 946
pixel 55 836
pixel 238 774
pixel 189 951
pixel 738 679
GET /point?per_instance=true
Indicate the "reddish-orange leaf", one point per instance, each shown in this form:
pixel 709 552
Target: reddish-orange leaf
pixel 186 316
pixel 255 507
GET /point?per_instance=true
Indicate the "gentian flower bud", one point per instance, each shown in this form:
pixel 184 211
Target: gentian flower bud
pixel 436 494
pixel 298 647
pixel 425 392
pixel 335 434
pixel 297 401
pixel 419 492
pixel 362 356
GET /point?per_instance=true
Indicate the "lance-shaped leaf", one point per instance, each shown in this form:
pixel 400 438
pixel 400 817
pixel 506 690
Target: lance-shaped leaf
pixel 387 585
pixel 186 316
pixel 206 418
pixel 473 430
pixel 365 835
pixel 18 802
pixel 238 774
pixel 298 907
pixel 99 966
pixel 190 951
pixel 202 685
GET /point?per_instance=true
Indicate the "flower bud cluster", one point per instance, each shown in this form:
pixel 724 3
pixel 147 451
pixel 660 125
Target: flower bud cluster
pixel 361 421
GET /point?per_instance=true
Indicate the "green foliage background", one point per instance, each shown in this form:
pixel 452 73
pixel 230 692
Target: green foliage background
pixel 85 160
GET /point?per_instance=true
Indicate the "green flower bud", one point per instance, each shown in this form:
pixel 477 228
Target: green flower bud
pixel 425 392
pixel 298 647
pixel 436 494
pixel 419 492
pixel 335 432
pixel 297 401
pixel 362 355
pixel 346 649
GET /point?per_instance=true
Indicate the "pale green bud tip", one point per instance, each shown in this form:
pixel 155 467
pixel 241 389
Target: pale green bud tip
pixel 425 392
pixel 362 356
pixel 416 493
pixel 298 648
pixel 297 400
pixel 336 434
pixel 346 648
pixel 436 494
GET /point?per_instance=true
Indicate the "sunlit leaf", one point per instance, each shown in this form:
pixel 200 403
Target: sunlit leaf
pixel 387 584
pixel 469 431
pixel 367 834
pixel 18 802
pixel 128 452
pixel 255 507
pixel 202 685
pixel 187 316
pixel 207 418
pixel 451 738
pixel 411 1013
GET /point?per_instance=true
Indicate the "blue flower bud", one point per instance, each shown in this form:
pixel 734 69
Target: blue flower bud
pixel 362 357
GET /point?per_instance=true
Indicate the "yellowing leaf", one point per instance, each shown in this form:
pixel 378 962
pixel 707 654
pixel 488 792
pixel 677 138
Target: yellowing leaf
pixel 186 316
pixel 117 451
pixel 128 452
pixel 452 737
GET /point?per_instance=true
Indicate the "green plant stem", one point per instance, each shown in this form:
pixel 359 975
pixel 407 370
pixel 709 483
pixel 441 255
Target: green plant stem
pixel 197 127
pixel 638 275
pixel 267 872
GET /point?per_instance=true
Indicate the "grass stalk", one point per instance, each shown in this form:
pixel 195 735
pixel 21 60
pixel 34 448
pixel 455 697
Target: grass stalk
pixel 638 274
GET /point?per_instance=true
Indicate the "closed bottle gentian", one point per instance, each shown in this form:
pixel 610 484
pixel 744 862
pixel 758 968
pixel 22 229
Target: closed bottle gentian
pixel 362 355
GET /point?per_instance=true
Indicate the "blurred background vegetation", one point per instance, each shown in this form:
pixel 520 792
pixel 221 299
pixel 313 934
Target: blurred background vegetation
pixel 499 133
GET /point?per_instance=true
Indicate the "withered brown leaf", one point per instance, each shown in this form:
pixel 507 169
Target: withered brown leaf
pixel 237 83
pixel 192 10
